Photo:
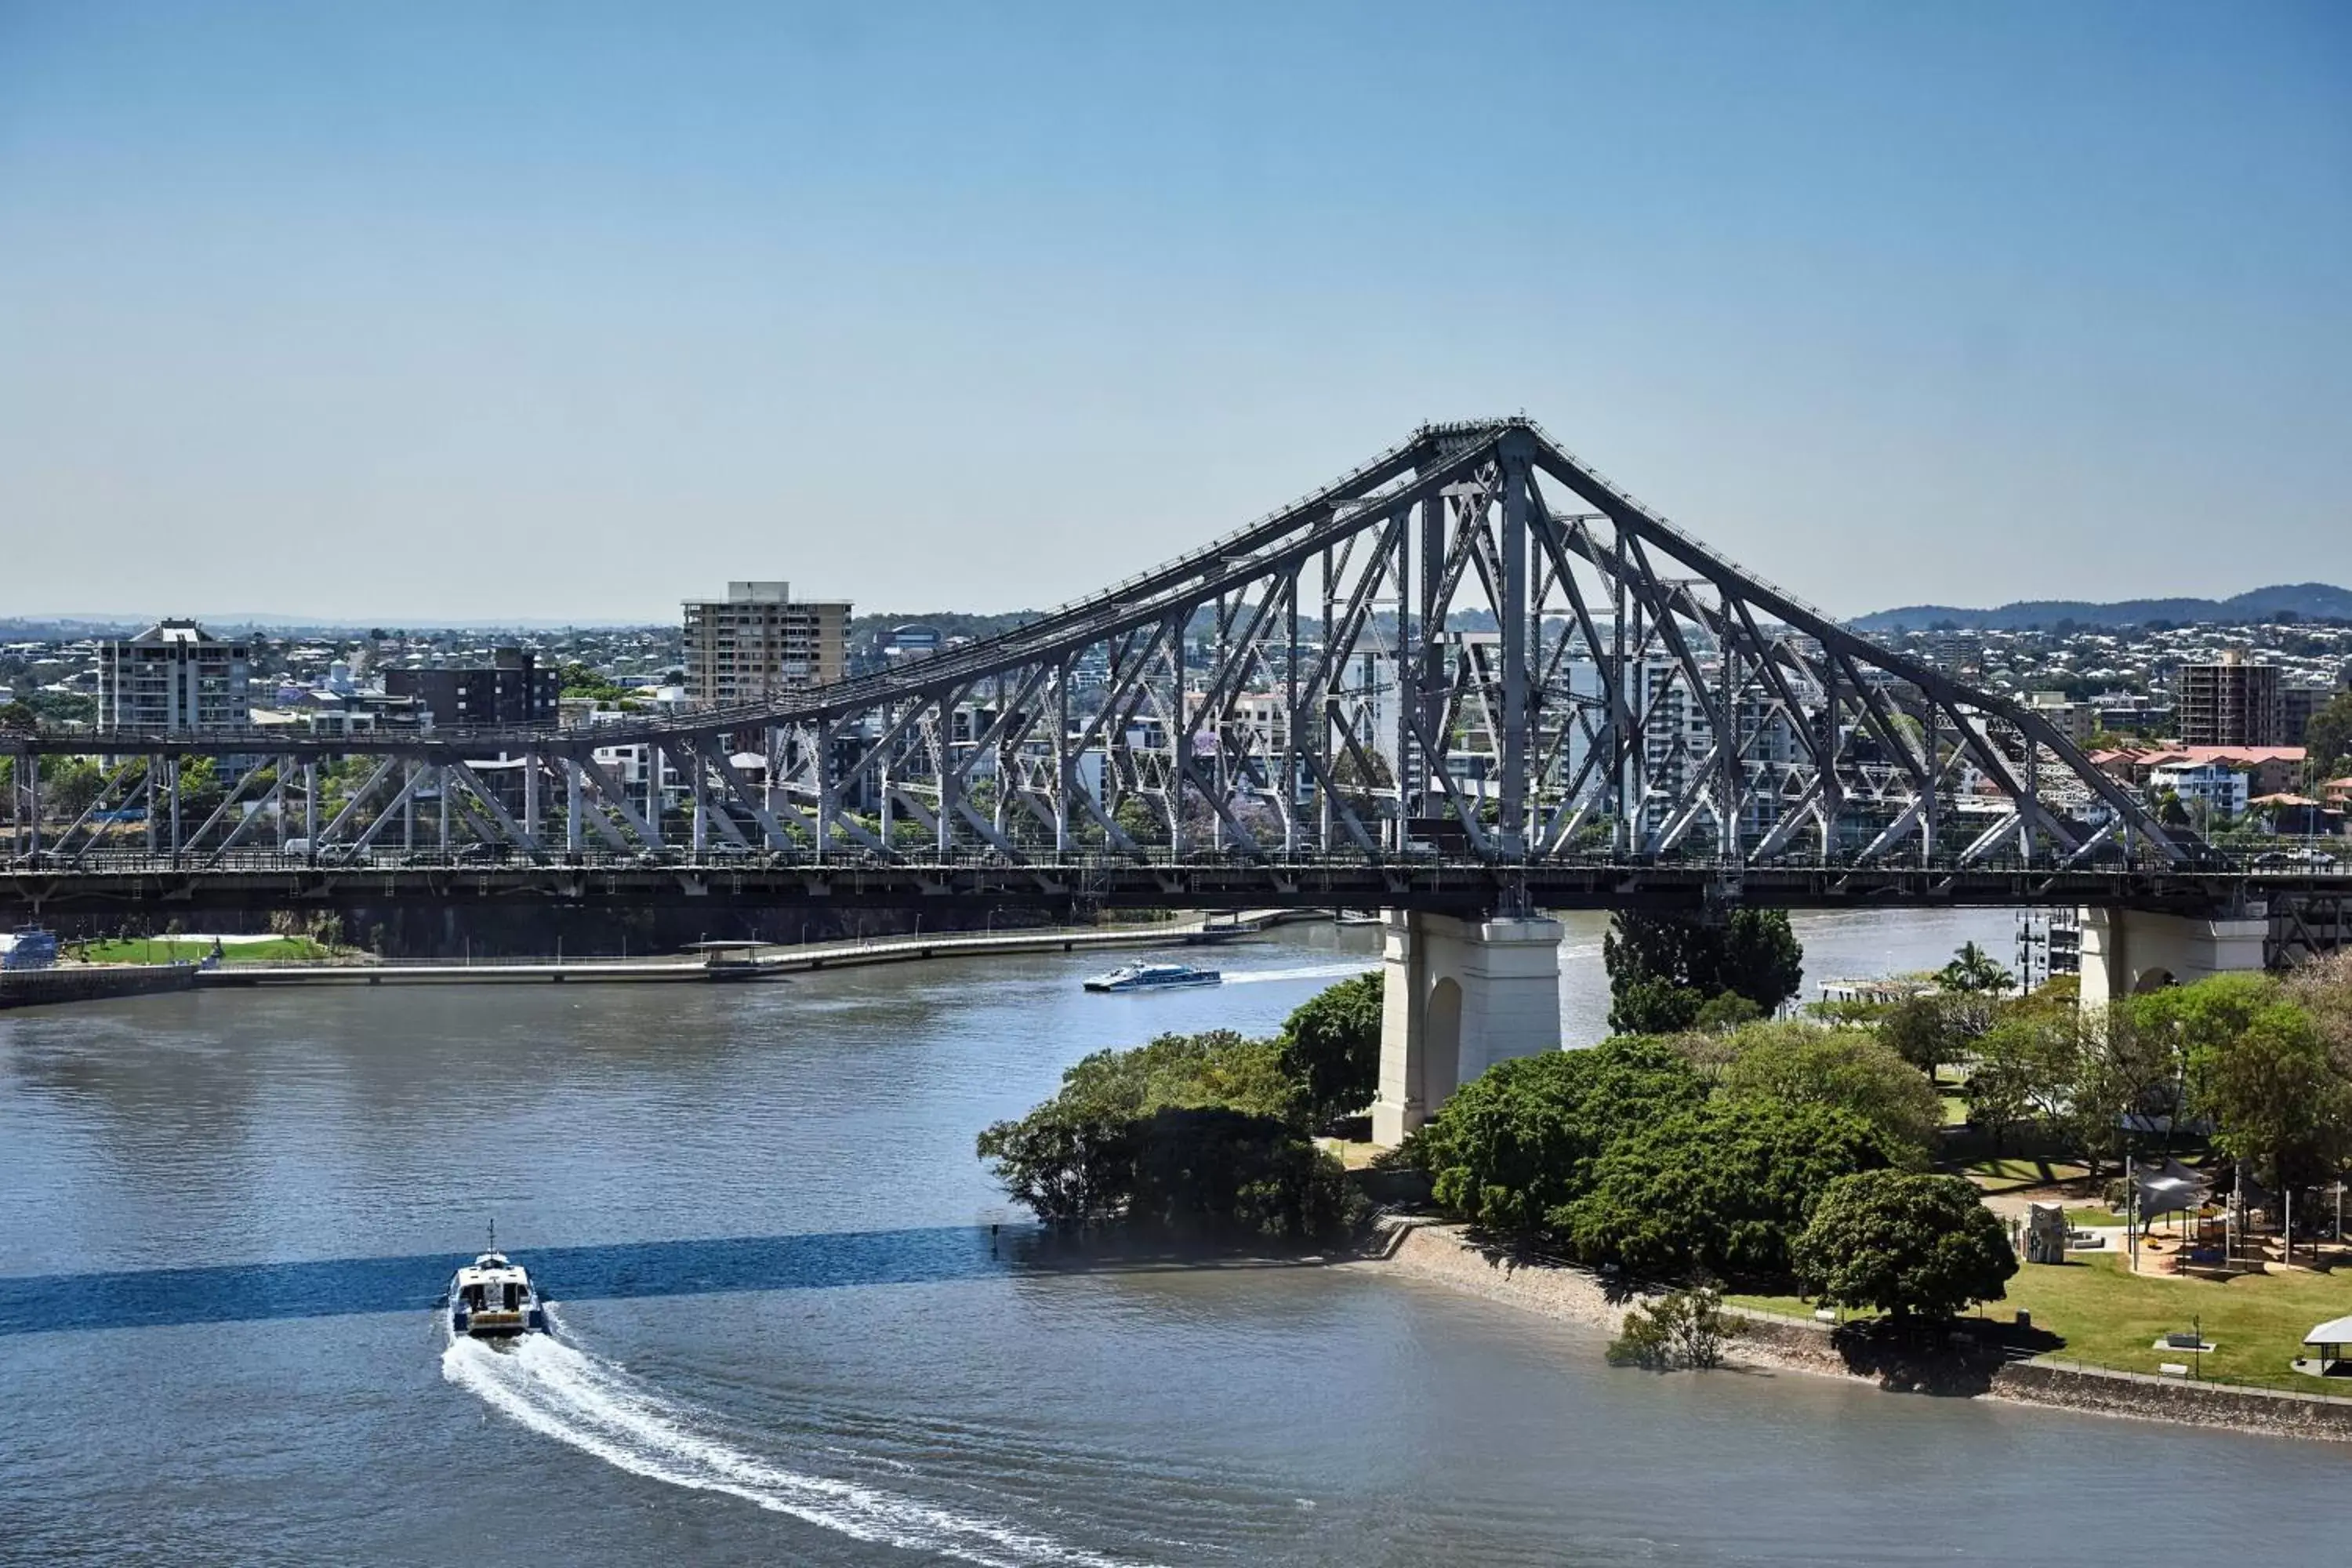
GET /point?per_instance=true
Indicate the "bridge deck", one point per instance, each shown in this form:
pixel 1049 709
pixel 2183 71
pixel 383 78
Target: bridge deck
pixel 1454 885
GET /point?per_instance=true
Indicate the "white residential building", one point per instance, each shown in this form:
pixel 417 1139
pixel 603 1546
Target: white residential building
pixel 174 676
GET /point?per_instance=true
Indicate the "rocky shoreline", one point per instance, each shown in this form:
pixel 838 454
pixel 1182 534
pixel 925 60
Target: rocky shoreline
pixel 1451 1255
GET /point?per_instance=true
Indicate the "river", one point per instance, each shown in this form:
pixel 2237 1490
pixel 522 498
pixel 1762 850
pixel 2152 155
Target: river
pixel 221 1216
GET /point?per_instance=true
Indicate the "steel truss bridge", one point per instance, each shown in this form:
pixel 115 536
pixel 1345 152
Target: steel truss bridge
pixel 1472 673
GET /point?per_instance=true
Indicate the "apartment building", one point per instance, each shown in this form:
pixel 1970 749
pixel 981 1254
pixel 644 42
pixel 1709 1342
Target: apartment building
pixel 510 689
pixel 2234 702
pixel 760 643
pixel 175 676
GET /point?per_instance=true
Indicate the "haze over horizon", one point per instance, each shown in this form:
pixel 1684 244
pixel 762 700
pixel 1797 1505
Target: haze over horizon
pixel 429 315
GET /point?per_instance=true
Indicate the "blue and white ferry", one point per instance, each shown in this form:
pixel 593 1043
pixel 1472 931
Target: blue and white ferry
pixel 492 1298
pixel 1153 977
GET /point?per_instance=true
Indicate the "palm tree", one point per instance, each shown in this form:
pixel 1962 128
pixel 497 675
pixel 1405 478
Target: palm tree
pixel 1973 969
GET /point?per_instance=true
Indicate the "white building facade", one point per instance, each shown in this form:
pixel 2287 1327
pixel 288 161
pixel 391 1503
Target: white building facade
pixel 175 676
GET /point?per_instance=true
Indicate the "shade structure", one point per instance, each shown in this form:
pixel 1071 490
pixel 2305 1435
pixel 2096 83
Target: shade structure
pixel 2334 1332
pixel 2173 1188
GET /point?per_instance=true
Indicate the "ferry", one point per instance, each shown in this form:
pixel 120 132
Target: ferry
pixel 1153 977
pixel 492 1298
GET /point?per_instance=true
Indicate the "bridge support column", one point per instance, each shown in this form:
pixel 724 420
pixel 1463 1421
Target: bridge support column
pixel 2126 951
pixel 1457 997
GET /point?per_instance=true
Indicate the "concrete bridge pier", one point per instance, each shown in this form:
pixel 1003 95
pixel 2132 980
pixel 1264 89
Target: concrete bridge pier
pixel 2126 951
pixel 1458 997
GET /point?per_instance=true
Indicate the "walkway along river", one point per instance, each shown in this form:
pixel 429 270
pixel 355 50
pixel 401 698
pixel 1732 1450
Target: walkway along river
pixel 787 1338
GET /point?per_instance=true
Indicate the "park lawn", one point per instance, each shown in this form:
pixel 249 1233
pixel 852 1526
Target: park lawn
pixel 1956 1108
pixel 2087 1218
pixel 165 950
pixel 2110 1318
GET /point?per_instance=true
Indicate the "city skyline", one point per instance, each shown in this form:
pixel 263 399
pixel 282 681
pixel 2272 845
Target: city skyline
pixel 490 319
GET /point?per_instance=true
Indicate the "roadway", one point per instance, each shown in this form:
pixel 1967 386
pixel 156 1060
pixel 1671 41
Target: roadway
pixel 1078 888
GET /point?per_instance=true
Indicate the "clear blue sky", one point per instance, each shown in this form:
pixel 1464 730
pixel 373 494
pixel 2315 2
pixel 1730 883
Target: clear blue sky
pixel 418 310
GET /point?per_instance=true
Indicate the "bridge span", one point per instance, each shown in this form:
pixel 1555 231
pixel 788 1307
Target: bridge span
pixel 1470 681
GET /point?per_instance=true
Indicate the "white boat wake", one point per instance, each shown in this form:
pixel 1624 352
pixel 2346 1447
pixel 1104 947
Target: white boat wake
pixel 559 1390
pixel 1318 972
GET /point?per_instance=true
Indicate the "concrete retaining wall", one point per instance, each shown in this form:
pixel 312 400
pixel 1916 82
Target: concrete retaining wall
pixel 2171 1399
pixel 74 983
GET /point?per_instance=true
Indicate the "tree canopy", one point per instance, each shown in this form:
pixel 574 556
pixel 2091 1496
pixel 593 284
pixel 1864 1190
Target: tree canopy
pixel 2327 740
pixel 1906 1243
pixel 1663 969
pixel 1198 1133
pixel 1974 969
pixel 1850 1069
pixel 1621 1155
pixel 1331 1046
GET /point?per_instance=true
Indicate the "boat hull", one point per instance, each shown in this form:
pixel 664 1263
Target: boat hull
pixel 1118 986
pixel 498 1325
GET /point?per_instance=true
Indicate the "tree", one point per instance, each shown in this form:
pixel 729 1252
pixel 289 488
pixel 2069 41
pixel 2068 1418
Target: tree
pixel 1518 1140
pixel 1331 1046
pixel 2029 1066
pixel 1683 1328
pixel 68 785
pixel 1926 1031
pixel 1720 1189
pixel 1663 970
pixel 2327 740
pixel 1907 1245
pixel 1190 1132
pixel 2276 1100
pixel 1848 1070
pixel 1972 970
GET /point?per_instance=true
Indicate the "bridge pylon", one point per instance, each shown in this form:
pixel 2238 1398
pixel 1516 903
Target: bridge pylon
pixel 1459 996
pixel 2127 951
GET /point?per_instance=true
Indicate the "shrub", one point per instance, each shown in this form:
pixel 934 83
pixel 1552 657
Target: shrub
pixel 1684 1329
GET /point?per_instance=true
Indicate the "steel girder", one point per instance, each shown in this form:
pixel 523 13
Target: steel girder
pixel 1475 643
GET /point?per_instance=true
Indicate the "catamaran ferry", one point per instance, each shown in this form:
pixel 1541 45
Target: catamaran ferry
pixel 1153 977
pixel 491 1298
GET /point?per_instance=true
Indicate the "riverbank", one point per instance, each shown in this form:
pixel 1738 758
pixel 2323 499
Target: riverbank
pixel 1449 1255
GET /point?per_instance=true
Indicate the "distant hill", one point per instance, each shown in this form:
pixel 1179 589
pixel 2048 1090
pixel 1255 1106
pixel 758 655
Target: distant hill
pixel 2304 601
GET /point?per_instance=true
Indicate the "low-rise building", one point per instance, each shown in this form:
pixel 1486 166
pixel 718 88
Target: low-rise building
pixel 2219 789
pixel 511 689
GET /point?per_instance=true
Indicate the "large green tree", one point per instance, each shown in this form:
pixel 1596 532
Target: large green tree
pixel 1191 1132
pixel 1906 1243
pixel 1848 1070
pixel 1716 1189
pixel 2276 1098
pixel 1663 969
pixel 1331 1046
pixel 1518 1140
pixel 2327 742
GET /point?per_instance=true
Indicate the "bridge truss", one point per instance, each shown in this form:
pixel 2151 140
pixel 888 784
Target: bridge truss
pixel 1472 649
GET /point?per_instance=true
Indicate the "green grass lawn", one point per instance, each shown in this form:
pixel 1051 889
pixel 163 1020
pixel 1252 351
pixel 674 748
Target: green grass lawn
pixel 164 950
pixel 2085 1218
pixel 2110 1318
